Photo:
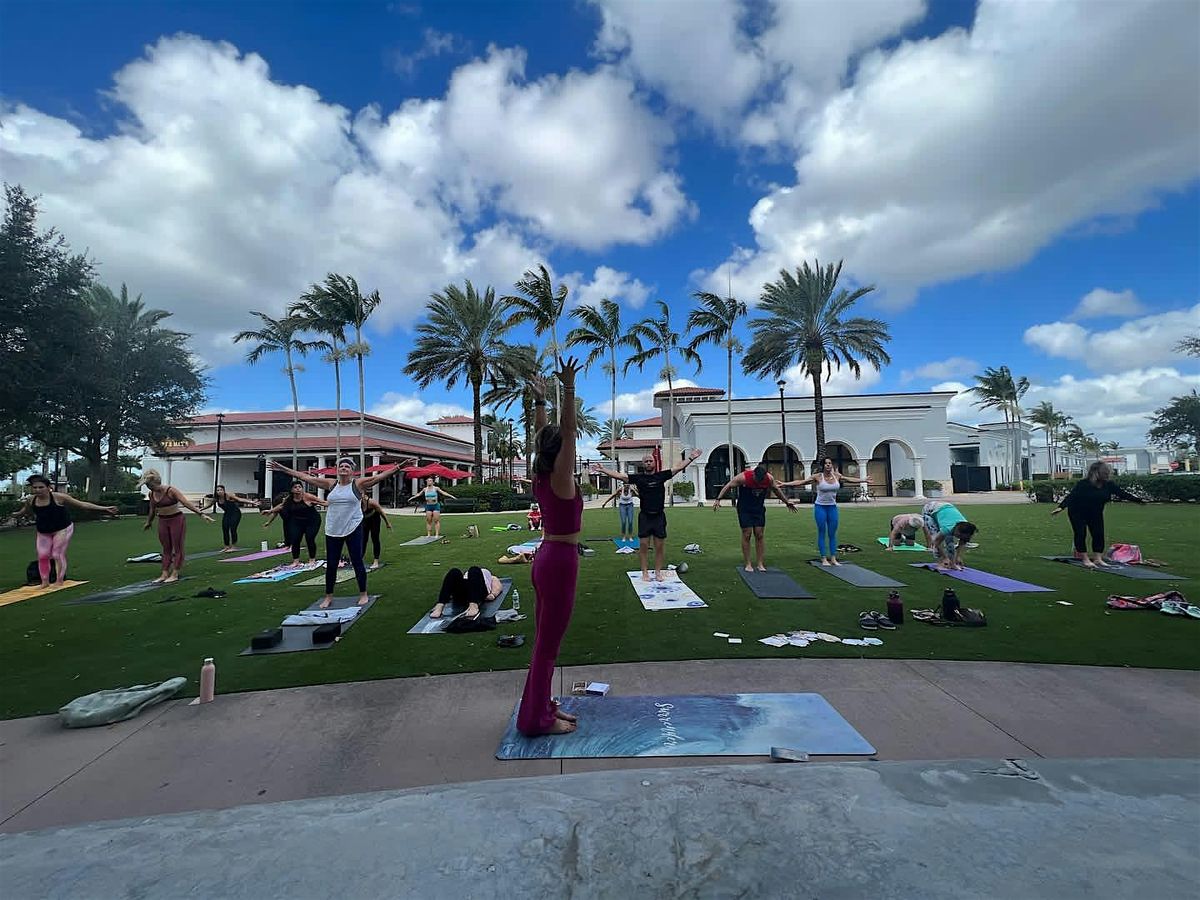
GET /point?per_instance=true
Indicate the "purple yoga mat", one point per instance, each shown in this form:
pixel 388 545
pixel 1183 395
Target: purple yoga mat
pixel 261 554
pixel 987 580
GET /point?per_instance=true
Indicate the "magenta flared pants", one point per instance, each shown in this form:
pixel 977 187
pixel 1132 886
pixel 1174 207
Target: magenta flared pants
pixel 555 571
pixel 54 547
pixel 171 532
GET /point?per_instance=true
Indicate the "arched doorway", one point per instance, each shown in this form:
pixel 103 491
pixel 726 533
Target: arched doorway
pixel 777 463
pixel 879 468
pixel 844 458
pixel 717 472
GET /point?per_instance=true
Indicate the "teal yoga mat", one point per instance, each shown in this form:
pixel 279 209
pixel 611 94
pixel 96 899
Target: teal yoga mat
pixel 920 547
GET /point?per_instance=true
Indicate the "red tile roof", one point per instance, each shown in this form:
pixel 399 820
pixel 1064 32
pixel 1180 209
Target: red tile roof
pixel 271 417
pixel 645 423
pixel 629 444
pixel 692 392
pixel 317 446
pixel 452 420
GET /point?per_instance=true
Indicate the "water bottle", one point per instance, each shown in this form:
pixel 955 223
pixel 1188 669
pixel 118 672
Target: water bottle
pixel 950 605
pixel 895 607
pixel 516 600
pixel 208 681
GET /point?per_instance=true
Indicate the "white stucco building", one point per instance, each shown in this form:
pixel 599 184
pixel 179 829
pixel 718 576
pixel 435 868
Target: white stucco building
pixel 888 436
pixel 249 440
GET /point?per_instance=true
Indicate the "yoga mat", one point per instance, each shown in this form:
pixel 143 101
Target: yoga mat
pixel 857 575
pixel 631 542
pixel 421 541
pixel 920 547
pixel 33 590
pixel 513 527
pixel 299 637
pixel 1139 572
pixel 527 547
pixel 157 557
pixel 129 590
pixel 437 626
pixel 670 593
pixel 319 580
pixel 987 580
pixel 261 554
pixel 279 573
pixel 702 725
pixel 773 584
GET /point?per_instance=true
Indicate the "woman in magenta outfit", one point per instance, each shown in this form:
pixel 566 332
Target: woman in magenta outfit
pixel 556 564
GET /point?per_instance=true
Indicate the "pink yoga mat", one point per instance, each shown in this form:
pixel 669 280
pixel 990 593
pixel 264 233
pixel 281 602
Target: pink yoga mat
pixel 987 580
pixel 261 554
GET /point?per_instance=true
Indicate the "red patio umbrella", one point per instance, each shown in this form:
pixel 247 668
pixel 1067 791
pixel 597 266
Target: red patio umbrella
pixel 453 474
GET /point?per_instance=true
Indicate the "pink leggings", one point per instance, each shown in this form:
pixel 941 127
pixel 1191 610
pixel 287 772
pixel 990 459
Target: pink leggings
pixel 555 571
pixel 54 547
pixel 171 532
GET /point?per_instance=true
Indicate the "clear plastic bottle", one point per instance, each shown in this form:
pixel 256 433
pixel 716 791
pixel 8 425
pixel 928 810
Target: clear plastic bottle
pixel 208 681
pixel 516 600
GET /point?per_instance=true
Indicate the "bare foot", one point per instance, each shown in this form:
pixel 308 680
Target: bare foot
pixel 159 580
pixel 1104 565
pixel 324 604
pixel 363 600
pixel 562 726
pixel 436 612
pixel 43 585
pixel 835 562
pixel 658 576
pixel 645 576
pixel 824 562
pixel 1088 564
pixel 62 582
pixel 565 716
pixel 762 568
pixel 171 580
pixel 469 613
pixel 749 568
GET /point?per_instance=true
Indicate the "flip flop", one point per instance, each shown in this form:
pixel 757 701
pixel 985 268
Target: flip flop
pixel 867 621
pixel 883 621
pixel 923 615
pixel 1193 611
pixel 1173 608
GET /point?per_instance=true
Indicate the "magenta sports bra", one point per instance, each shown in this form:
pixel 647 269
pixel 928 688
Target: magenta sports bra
pixel 559 516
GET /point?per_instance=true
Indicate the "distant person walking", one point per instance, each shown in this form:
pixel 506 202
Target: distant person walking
pixel 1085 509
pixel 165 501
pixel 825 509
pixel 753 487
pixel 52 522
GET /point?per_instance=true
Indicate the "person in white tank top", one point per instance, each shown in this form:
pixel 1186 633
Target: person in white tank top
pixel 827 482
pixel 343 519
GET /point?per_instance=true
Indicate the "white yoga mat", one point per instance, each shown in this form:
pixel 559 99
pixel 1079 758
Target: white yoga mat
pixel 421 541
pixel 670 593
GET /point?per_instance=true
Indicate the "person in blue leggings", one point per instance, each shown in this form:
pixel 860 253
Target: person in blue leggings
pixel 827 483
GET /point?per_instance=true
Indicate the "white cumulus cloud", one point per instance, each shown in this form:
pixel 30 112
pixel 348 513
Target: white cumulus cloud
pixel 942 370
pixel 1102 302
pixel 640 404
pixel 414 409
pixel 841 382
pixel 1137 343
pixel 606 282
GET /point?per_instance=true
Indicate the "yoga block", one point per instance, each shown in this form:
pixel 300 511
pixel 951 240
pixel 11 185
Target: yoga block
pixel 326 634
pixel 265 640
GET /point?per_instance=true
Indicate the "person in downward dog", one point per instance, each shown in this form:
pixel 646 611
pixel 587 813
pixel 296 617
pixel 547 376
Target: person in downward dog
pixel 556 566
pixel 753 485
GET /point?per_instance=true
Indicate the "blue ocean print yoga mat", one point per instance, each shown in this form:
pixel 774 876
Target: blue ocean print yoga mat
pixel 697 725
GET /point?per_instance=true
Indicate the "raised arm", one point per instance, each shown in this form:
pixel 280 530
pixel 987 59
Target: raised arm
pixel 1118 491
pixel 83 504
pixel 610 498
pixel 372 480
pixel 322 483
pixel 687 462
pixel 800 482
pixel 787 501
pixel 850 478
pixel 562 479
pixel 446 494
pixel 187 504
pixel 597 469
pixel 736 481
pixel 537 387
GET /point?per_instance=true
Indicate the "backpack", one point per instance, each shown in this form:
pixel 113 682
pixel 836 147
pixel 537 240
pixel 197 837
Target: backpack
pixel 462 625
pixel 1129 554
pixel 33 576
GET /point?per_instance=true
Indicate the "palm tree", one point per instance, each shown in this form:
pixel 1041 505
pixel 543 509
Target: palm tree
pixel 279 336
pixel 586 422
pixel 997 389
pixel 318 311
pixel 804 325
pixel 510 386
pixel 616 426
pixel 600 329
pixel 714 319
pixel 1050 420
pixel 347 304
pixel 1016 392
pixel 538 301
pixel 463 338
pixel 653 338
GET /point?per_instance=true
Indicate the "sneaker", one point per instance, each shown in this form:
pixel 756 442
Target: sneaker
pixel 867 621
pixel 883 621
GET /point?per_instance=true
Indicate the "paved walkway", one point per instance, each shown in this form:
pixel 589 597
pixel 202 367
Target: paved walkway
pixel 328 740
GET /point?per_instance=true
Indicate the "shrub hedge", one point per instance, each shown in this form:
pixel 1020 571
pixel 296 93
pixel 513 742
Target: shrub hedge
pixel 1155 488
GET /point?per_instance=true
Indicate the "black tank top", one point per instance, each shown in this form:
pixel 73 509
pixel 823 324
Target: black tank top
pixel 300 511
pixel 51 517
pixel 230 506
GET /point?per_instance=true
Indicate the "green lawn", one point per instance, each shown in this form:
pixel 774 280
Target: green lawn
pixel 54 652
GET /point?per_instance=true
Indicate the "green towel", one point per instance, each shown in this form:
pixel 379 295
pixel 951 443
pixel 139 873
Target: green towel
pixel 118 704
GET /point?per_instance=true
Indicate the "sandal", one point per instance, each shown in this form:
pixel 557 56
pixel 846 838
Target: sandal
pixel 867 621
pixel 883 621
pixel 923 615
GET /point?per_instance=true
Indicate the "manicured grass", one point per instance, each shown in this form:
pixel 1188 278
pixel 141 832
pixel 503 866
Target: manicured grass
pixel 54 652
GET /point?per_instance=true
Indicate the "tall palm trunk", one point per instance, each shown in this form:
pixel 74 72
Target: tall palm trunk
pixel 819 418
pixel 527 410
pixel 729 408
pixel 295 408
pixel 362 402
pixel 612 412
pixel 337 420
pixel 670 462
pixel 557 365
pixel 476 407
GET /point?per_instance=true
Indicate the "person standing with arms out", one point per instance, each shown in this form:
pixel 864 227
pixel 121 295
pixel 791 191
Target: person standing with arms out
pixel 752 511
pixel 301 520
pixel 373 518
pixel 53 525
pixel 230 505
pixel 825 509
pixel 1085 509
pixel 624 496
pixel 165 501
pixel 652 518
pixel 432 495
pixel 556 565
pixel 343 520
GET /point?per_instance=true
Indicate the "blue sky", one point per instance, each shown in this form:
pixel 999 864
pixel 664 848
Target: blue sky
pixel 1020 181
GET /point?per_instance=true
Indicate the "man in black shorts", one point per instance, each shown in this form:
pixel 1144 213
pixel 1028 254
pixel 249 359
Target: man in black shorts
pixel 751 510
pixel 652 517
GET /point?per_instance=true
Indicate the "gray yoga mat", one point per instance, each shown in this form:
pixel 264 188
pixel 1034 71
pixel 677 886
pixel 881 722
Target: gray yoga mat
pixel 299 637
pixel 857 575
pixel 1141 573
pixel 437 626
pixel 421 541
pixel 121 593
pixel 774 584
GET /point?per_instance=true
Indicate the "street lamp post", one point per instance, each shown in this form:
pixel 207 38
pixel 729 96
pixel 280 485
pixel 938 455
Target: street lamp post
pixel 217 462
pixel 787 457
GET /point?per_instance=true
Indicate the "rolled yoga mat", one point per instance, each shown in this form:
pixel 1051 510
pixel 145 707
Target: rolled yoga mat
pixel 449 614
pixel 299 637
pixel 774 584
pixel 857 575
pixel 920 547
pixel 1139 572
pixel 987 580
pixel 698 725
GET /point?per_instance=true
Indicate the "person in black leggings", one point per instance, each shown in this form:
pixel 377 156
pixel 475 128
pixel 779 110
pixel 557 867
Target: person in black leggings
pixel 373 518
pixel 302 521
pixel 474 588
pixel 230 505
pixel 1085 509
